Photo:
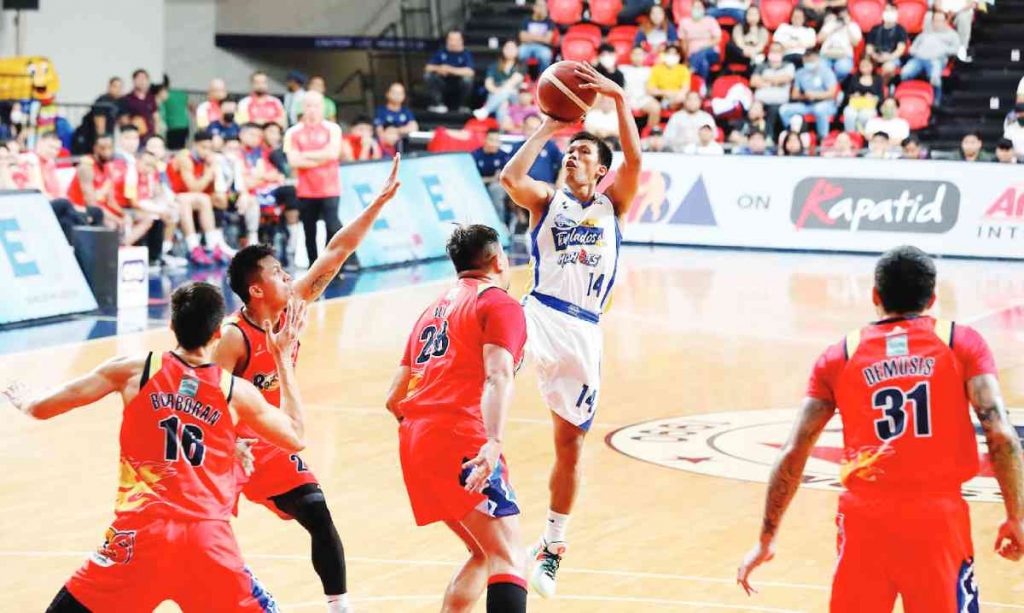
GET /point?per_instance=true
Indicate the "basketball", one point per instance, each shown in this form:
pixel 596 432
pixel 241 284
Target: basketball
pixel 559 95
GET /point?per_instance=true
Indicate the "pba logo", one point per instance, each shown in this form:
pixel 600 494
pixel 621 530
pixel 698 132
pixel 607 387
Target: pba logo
pixel 655 201
pixel 745 444
pixel 880 205
pixel 118 548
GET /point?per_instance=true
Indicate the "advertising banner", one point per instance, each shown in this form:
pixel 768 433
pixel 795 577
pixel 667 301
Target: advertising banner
pixel 438 191
pixel 858 205
pixel 38 271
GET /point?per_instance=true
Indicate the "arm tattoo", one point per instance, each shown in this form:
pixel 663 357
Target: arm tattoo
pixel 320 284
pixel 788 470
pixel 1004 446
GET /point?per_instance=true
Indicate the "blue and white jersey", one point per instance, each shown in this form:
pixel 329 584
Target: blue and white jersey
pixel 575 254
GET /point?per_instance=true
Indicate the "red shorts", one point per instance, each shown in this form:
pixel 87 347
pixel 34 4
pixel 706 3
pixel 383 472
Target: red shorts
pixel 275 472
pixel 146 560
pixel 917 546
pixel 432 451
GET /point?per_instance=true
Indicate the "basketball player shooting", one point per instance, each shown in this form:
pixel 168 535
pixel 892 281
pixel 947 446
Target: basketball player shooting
pixel 282 481
pixel 903 386
pixel 575 235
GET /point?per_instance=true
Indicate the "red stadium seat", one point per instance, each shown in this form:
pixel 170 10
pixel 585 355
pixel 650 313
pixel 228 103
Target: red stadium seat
pixel 912 14
pixel 578 47
pixel 867 13
pixel 622 37
pixel 856 139
pixel 915 89
pixel 723 84
pixel 586 29
pixel 698 85
pixel 916 111
pixel 565 12
pixel 446 140
pixel 774 13
pixel 680 9
pixel 605 12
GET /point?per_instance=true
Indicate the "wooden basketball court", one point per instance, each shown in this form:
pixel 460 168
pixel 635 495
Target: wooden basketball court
pixel 690 332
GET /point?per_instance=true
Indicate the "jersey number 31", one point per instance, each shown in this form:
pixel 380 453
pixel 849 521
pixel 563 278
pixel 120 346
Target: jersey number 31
pixel 895 405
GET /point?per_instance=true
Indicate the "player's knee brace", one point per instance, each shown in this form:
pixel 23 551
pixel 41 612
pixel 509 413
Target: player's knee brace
pixel 308 506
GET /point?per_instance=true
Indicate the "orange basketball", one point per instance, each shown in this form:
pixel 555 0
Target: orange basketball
pixel 559 94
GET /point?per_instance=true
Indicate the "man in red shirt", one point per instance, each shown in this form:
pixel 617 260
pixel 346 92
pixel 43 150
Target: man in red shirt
pixel 259 106
pixel 313 147
pixel 42 176
pixel 451 396
pixel 903 387
pixel 191 174
pixel 92 187
pixel 171 538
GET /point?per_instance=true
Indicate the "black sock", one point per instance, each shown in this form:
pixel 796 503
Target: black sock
pixel 65 602
pixel 307 505
pixel 506 594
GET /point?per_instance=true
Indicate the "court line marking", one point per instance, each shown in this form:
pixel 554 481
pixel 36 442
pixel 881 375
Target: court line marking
pixel 382 412
pixel 451 564
pixel 664 601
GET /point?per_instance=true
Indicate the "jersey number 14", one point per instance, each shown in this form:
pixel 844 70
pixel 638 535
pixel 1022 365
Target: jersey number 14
pixel 594 286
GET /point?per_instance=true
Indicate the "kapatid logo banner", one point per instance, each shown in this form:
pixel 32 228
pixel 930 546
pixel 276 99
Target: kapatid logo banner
pixel 875 205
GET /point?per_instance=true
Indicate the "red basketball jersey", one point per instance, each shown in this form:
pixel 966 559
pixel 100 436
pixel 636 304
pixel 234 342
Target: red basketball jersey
pixel 445 350
pixel 178 442
pixel 174 174
pixel 900 386
pixel 99 180
pixel 259 367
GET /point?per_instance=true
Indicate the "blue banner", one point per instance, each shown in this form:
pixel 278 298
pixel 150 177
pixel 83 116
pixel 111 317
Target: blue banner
pixel 38 271
pixel 438 191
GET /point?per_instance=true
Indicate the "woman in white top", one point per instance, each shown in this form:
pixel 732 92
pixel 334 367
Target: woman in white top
pixel 839 36
pixel 795 37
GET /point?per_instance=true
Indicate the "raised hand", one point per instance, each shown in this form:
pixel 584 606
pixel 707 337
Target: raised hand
pixel 282 342
pixel 387 192
pixel 591 79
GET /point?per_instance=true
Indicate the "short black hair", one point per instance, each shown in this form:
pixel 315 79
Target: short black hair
pixel 911 140
pixel 197 310
pixel 976 134
pixel 604 152
pixel 605 47
pixel 112 80
pixel 469 246
pixel 128 128
pixel 201 136
pixel 493 131
pixel 139 71
pixel 1004 144
pixel 244 266
pixel 905 280
pixel 153 136
pixel 881 133
pixel 361 119
pixel 250 125
pixel 756 133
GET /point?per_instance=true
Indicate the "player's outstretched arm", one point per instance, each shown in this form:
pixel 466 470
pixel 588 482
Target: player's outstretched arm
pixel 1004 450
pixel 398 391
pixel 784 481
pixel 525 191
pixel 627 176
pixel 112 376
pixel 345 241
pixel 499 366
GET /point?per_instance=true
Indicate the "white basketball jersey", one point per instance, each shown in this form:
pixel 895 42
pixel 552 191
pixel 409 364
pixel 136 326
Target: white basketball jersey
pixel 575 253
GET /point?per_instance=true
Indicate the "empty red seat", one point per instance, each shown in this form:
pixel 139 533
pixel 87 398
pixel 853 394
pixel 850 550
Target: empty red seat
pixel 866 13
pixel 588 30
pixel 723 84
pixel 915 89
pixel 445 140
pixel 911 14
pixel 916 111
pixel 774 13
pixel 605 12
pixel 578 48
pixel 856 139
pixel 681 9
pixel 565 12
pixel 622 37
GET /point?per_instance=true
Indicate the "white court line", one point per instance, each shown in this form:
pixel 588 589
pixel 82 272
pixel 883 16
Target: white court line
pixel 665 601
pixel 382 412
pixel 449 564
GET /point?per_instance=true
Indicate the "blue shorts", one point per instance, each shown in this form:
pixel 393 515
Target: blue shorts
pixel 501 498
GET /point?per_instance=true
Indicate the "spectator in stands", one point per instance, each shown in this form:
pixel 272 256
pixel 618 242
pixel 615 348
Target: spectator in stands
pixel 863 94
pixel 701 35
pixel 154 198
pixel 749 41
pixel 633 10
pixel 603 121
pixel 705 144
pixel 814 92
pixel 656 33
pixel 684 124
pixel 890 122
pixel 295 89
pixel 319 85
pixel 259 106
pixel 816 9
pixel 841 148
pixel 971 149
pixel 798 126
pixel 963 17
pixel 226 126
pixel 449 75
pixel 754 121
pixel 654 141
pixel 729 9
pixel 839 36
pixel 1013 126
pixel 757 144
pixel 670 78
pixel 43 164
pixel 607 64
pixel 360 144
pixel 313 147
pixel 174 114
pixel 285 194
pixel 108 104
pixel 490 159
pixel 394 113
pixel 91 188
pixel 191 174
pixel 139 107
pixel 772 82
pixel 636 75
pixel 536 36
pixel 390 140
pixel 545 168
pixel 930 52
pixel 502 84
pixel 523 107
pixel 231 182
pixel 796 37
pixel 208 110
pixel 880 147
pixel 792 145
pixel 912 149
pixel 1005 153
pixel 886 43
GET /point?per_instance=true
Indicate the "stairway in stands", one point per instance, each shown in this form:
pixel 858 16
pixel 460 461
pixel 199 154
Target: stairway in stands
pixel 978 95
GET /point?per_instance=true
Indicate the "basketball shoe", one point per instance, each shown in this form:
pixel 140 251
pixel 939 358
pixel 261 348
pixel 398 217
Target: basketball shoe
pixel 547 557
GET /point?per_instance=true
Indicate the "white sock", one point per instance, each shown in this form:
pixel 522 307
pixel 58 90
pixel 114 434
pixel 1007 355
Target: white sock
pixel 254 238
pixel 192 240
pixel 168 245
pixel 214 238
pixel 555 530
pixel 293 235
pixel 338 604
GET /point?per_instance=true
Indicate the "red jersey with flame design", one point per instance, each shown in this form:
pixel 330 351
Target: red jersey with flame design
pixel 900 387
pixel 178 443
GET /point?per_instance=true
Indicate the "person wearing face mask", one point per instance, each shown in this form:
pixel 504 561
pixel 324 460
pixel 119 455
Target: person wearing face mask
pixel 814 91
pixel 669 82
pixel 930 52
pixel 655 33
pixel 1013 127
pixel 608 64
pixel 226 125
pixel 259 106
pixel 886 43
pixel 701 35
pixel 890 122
pixel 838 38
pixel 771 83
